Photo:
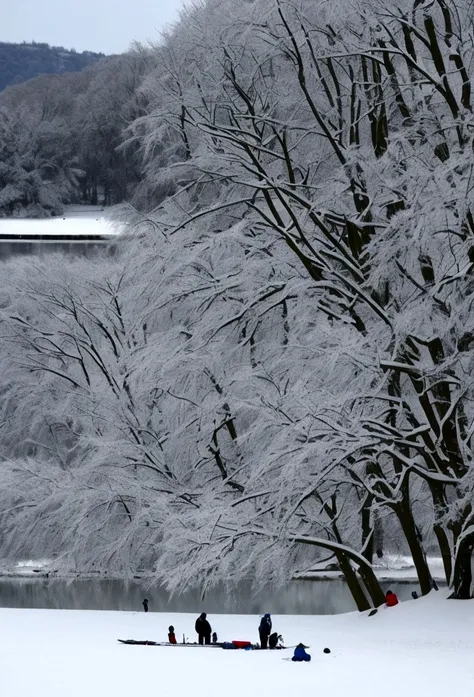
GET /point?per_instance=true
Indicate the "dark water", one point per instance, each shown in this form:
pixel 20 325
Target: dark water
pixel 16 247
pixel 325 597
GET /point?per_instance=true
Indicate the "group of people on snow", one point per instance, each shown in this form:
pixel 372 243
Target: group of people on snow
pixel 268 639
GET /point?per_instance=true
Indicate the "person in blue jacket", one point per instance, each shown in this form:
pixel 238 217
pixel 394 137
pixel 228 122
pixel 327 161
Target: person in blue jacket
pixel 300 654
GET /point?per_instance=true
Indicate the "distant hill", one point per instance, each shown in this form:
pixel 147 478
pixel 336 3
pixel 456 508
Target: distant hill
pixel 21 62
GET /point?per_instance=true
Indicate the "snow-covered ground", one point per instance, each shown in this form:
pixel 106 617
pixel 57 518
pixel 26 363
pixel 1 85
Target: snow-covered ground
pixel 392 567
pixel 403 569
pixel 77 220
pixel 421 647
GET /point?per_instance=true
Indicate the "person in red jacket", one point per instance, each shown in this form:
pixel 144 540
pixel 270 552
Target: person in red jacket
pixel 171 635
pixel 391 599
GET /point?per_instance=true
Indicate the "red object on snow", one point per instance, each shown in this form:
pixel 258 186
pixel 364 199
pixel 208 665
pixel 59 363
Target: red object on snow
pixel 242 644
pixel 391 599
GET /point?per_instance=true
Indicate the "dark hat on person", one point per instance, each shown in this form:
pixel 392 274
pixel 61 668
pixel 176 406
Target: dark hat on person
pixel 326 650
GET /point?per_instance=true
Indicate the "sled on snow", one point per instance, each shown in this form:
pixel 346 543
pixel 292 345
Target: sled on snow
pixel 139 643
pixel 246 645
pixel 135 642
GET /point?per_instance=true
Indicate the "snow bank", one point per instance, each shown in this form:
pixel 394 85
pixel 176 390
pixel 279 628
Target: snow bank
pixel 419 647
pixel 391 568
pixel 77 221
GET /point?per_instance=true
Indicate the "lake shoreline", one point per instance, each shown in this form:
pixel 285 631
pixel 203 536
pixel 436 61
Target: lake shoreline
pixel 396 569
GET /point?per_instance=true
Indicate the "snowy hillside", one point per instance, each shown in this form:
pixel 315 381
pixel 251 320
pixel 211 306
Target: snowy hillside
pixel 422 647
pixel 21 62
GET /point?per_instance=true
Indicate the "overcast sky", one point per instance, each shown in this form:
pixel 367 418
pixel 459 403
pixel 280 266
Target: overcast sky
pixel 106 26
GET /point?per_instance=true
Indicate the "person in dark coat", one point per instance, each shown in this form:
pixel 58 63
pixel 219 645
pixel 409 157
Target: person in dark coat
pixel 300 654
pixel 391 599
pixel 265 629
pixel 145 605
pixel 273 640
pixel 203 629
pixel 171 635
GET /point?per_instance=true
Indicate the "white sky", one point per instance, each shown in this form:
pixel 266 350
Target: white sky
pixel 107 26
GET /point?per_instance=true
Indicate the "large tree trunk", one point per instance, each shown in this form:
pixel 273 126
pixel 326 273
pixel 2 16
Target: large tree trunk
pixel 367 529
pixel 353 584
pixel 413 538
pixel 439 501
pixel 462 576
pixel 372 584
pixel 445 550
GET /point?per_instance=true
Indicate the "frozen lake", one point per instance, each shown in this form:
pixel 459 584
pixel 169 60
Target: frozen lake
pixel 81 231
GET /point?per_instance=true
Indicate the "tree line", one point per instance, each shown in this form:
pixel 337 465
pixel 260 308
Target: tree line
pixel 60 137
pixel 20 62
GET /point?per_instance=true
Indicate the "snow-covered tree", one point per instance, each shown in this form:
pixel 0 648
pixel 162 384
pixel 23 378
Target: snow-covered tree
pixel 347 135
pixel 38 169
pixel 275 370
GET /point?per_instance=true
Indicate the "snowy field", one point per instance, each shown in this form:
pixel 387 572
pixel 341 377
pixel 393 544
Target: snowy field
pixel 77 220
pixel 421 647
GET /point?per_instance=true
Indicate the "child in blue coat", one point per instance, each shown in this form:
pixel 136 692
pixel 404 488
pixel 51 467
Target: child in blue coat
pixel 300 654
